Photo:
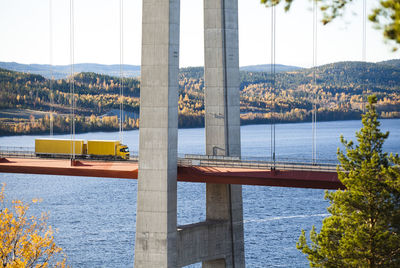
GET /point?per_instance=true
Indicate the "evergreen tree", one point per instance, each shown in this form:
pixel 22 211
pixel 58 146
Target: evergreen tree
pixel 364 228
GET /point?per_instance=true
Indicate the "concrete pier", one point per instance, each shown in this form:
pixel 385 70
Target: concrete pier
pixel 156 227
pixel 217 242
pixel 222 122
pixel 221 77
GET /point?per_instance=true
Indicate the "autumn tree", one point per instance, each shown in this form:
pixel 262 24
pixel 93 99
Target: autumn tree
pixel 364 227
pixel 385 16
pixel 26 241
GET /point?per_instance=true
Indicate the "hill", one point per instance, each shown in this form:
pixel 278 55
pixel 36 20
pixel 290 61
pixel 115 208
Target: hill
pixel 395 63
pixel 340 92
pixel 63 71
pixel 25 99
pixel 267 68
pixel 340 74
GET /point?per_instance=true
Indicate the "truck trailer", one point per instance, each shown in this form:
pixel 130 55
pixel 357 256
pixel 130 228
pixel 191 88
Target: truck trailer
pixel 95 149
pixel 58 147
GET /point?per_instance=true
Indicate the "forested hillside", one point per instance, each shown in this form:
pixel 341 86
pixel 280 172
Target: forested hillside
pixel 395 63
pixel 96 96
pixel 63 71
pixel 339 92
pixel 267 67
pixel 25 99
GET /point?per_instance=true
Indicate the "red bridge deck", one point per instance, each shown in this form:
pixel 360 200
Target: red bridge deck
pixel 129 170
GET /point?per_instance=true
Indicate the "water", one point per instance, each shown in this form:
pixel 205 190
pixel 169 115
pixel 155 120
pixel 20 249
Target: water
pixel 95 217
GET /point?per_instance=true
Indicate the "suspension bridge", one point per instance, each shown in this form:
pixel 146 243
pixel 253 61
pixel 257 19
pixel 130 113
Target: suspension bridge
pixel 191 168
pixel 219 240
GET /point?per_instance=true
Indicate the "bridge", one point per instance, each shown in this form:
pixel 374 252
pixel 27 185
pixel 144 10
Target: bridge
pixel 191 168
pixel 219 170
pixel 219 240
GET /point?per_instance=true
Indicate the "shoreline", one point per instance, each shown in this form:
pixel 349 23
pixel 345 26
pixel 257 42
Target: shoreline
pixel 242 124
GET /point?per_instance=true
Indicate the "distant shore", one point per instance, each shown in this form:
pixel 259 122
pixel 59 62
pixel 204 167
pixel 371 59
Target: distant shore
pixel 242 123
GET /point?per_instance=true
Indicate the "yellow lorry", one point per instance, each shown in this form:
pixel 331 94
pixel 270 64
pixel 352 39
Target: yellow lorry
pixel 102 148
pixel 58 147
pixel 96 149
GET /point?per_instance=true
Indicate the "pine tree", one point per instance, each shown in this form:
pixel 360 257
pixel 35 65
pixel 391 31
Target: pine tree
pixel 364 227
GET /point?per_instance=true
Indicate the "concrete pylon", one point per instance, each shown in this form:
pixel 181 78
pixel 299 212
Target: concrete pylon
pixel 218 241
pixel 156 227
pixel 222 122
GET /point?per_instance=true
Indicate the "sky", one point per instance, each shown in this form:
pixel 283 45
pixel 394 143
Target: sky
pixel 25 38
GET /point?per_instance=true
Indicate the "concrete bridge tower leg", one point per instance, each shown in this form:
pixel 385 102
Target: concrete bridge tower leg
pixel 222 122
pixel 156 227
pixel 217 242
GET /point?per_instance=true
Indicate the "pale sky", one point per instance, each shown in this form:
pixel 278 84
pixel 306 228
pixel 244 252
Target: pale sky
pixel 24 33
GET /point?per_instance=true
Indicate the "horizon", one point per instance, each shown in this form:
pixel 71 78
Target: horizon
pixel 198 66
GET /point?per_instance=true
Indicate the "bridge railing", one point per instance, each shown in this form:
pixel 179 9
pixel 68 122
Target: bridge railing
pixel 17 151
pixel 134 157
pixel 205 161
pixel 236 162
pixel 303 160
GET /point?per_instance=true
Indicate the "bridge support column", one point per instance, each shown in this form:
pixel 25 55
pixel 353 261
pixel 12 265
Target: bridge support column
pixel 222 120
pixel 156 227
pixel 217 242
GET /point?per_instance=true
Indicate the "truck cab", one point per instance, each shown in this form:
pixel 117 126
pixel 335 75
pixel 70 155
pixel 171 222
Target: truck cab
pixel 123 151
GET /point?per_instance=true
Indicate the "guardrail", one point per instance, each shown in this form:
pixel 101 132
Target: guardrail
pixel 15 151
pixel 235 162
pixel 302 160
pixel 204 161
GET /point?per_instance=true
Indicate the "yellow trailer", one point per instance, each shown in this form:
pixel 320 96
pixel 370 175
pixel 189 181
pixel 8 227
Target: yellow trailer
pixel 107 149
pixel 59 147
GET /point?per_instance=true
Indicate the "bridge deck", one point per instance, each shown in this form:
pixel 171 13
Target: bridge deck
pixel 203 174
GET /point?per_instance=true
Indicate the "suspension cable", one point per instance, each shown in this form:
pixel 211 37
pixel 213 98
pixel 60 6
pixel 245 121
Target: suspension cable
pixel 121 72
pixel 364 48
pixel 51 80
pixel 364 40
pixel 273 71
pixel 225 76
pixel 314 108
pixel 72 79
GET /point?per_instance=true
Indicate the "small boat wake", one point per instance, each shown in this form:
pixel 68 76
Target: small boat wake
pixel 276 218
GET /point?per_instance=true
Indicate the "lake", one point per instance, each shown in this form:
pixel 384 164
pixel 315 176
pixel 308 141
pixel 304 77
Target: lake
pixel 95 217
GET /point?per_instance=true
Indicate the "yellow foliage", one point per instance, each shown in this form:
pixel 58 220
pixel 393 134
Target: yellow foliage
pixel 26 242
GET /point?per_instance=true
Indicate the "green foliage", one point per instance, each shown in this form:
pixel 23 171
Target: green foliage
pixel 97 97
pixel 193 72
pixel 340 90
pixel 364 227
pixel 385 16
pixel 395 63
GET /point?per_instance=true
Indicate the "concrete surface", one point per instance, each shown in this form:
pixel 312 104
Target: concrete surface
pixel 222 120
pixel 219 241
pixel 156 228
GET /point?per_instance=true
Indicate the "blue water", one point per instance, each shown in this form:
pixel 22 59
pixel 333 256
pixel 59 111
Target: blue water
pixel 95 217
